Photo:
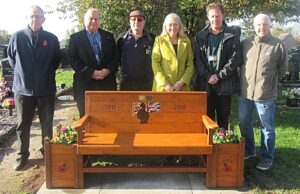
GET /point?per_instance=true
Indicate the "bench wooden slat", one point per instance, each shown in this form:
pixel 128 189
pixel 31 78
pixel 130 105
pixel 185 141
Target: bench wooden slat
pixel 116 143
pixel 118 96
pixel 119 150
pixel 146 140
pixel 105 127
pixel 154 118
pixel 169 107
pixel 147 170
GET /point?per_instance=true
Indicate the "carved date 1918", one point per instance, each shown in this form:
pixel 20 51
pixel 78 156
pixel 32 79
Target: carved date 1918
pixel 110 106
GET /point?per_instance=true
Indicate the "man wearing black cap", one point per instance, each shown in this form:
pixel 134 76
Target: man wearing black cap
pixel 135 48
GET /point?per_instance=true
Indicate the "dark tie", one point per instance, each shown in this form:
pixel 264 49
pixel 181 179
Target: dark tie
pixel 34 43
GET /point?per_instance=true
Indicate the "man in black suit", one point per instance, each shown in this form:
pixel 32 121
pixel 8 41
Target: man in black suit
pixel 93 55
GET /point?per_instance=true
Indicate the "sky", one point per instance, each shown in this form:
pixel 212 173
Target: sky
pixel 13 16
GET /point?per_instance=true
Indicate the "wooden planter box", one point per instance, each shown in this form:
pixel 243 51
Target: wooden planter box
pixel 61 165
pixel 228 164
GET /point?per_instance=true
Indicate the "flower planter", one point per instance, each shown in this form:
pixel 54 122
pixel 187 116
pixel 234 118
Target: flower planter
pixel 61 165
pixel 228 164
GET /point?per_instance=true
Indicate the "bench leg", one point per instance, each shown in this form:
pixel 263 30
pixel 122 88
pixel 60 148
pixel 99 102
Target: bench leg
pixel 210 179
pixel 75 165
pixel 80 171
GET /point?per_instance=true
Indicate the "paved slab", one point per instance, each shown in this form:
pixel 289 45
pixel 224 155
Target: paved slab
pixel 143 183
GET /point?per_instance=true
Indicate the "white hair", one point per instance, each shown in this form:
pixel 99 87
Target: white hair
pixel 264 17
pixel 35 8
pixel 88 13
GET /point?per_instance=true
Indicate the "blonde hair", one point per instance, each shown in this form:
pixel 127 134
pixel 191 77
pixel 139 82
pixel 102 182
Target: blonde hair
pixel 177 18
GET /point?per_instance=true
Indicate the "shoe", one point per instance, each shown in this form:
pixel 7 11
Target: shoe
pixel 19 164
pixel 264 165
pixel 247 156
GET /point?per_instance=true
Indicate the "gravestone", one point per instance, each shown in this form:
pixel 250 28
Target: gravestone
pixel 7 72
pixel 3 51
pixel 292 75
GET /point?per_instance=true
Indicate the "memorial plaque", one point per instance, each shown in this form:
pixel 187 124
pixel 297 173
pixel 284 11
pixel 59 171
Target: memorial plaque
pixel 7 72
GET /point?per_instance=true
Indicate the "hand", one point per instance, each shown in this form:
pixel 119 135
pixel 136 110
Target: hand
pixel 178 85
pixel 100 74
pixel 213 79
pixel 104 73
pixel 168 88
pixel 96 75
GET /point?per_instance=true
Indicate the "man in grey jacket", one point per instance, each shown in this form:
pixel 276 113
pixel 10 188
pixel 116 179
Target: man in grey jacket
pixel 264 63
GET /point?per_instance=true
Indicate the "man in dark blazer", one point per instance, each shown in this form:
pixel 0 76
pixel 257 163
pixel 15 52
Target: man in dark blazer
pixel 94 57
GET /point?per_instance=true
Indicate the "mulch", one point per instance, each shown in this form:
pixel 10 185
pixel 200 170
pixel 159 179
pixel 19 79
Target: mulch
pixel 8 125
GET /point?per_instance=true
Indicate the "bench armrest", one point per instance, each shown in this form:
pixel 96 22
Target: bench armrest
pixel 79 126
pixel 210 126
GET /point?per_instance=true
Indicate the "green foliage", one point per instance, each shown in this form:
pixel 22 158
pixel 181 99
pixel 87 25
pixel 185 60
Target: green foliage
pixel 114 13
pixel 289 92
pixel 225 136
pixel 64 76
pixel 193 12
pixel 64 135
pixel 4 37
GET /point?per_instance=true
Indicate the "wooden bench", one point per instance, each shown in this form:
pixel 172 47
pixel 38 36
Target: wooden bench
pixel 145 123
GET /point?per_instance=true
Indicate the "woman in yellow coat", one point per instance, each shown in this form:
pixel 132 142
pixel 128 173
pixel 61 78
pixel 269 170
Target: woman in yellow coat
pixel 172 57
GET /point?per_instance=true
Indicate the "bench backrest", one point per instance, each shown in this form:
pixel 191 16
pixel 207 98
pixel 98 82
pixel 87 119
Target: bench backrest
pixel 145 112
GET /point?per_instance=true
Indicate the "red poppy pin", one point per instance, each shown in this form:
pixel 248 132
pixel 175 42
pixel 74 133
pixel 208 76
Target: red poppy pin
pixel 62 168
pixel 45 43
pixel 227 168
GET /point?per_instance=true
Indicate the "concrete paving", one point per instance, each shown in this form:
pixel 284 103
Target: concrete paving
pixel 144 183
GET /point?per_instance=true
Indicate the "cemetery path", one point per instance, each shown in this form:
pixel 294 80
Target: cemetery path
pixel 32 177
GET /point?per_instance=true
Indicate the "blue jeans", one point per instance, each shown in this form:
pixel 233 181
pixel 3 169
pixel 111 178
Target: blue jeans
pixel 266 113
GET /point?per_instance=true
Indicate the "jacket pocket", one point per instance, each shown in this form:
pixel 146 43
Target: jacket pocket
pixel 228 86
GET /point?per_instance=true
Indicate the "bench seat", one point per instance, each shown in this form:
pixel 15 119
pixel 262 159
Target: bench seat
pixel 145 144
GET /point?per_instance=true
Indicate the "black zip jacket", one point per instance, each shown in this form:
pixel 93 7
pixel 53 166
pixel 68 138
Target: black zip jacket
pixel 230 59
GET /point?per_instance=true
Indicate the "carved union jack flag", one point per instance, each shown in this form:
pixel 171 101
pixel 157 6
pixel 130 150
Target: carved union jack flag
pixel 152 106
pixel 149 107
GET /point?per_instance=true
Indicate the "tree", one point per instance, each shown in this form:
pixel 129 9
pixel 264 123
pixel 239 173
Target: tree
pixel 114 13
pixel 4 37
pixel 193 12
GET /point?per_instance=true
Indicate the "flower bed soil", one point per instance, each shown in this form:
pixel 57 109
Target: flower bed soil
pixel 141 161
pixel 7 125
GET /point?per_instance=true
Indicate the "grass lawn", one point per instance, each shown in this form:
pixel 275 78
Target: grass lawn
pixel 284 175
pixel 64 76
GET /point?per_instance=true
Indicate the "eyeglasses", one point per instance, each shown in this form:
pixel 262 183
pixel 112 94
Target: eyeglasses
pixel 136 19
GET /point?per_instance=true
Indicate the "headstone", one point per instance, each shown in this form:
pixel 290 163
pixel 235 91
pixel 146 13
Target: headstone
pixel 3 51
pixel 7 72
